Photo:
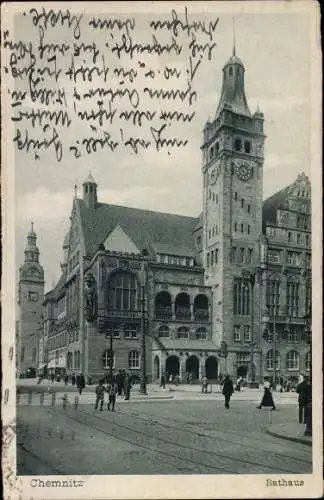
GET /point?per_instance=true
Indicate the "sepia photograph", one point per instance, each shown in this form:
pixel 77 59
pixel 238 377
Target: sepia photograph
pixel 161 190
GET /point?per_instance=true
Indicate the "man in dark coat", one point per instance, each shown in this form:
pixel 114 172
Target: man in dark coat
pixel 228 390
pixel 128 386
pixel 302 390
pixel 80 382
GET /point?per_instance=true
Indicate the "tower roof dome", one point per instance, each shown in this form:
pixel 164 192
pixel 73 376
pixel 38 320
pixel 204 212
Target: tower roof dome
pixel 90 179
pixel 234 60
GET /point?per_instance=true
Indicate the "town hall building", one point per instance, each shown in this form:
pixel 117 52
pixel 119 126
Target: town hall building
pixel 209 293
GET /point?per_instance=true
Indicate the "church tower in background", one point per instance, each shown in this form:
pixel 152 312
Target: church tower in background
pixel 30 301
pixel 233 156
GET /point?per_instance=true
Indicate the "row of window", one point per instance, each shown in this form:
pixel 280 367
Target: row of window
pixel 109 358
pixel 128 331
pixel 238 330
pixel 175 260
pixel 243 203
pixel 242 228
pixel 239 145
pixel 213 196
pixel 292 360
pixel 62 339
pixel 213 231
pixel 212 257
pixel 183 333
pixel 242 255
pixel 291 237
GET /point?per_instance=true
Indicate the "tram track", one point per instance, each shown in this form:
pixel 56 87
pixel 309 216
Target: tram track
pixel 154 420
pixel 136 439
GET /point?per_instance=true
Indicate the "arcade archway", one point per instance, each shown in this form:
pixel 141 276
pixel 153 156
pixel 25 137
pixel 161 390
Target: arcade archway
pixel 211 367
pixel 172 365
pixel 192 367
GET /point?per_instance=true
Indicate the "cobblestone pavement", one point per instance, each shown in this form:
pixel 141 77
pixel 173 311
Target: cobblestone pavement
pixel 160 437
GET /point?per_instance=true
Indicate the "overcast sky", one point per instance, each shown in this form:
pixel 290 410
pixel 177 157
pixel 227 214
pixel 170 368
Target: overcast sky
pixel 275 51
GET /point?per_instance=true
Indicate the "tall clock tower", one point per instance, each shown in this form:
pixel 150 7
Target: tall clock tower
pixel 232 170
pixel 30 301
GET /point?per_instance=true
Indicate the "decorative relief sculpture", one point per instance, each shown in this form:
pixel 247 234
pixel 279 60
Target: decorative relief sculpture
pixel 90 298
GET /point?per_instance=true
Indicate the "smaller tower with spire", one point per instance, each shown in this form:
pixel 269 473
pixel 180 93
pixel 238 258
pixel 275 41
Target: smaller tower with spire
pixel 90 192
pixel 30 301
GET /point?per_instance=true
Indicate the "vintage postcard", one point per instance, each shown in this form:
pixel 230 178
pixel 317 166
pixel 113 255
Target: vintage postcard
pixel 162 249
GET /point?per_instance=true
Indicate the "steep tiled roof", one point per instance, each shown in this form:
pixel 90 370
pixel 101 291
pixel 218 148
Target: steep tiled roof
pixel 146 228
pixel 272 204
pixel 57 291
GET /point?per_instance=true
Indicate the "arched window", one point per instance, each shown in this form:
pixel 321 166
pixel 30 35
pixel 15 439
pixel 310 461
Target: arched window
pixel 182 306
pixel 133 359
pixel 183 333
pixel 164 331
pixel 201 333
pixel 123 292
pixel 292 360
pixel 269 360
pixel 108 358
pixel 308 361
pixel 201 307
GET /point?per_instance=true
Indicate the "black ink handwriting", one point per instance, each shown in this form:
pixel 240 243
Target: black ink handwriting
pixel 27 144
pixel 52 18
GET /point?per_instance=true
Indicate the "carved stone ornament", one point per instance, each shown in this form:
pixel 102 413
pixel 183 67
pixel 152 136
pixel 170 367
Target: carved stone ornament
pixel 90 303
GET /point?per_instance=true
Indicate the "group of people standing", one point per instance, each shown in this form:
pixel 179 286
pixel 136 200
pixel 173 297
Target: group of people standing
pixel 119 384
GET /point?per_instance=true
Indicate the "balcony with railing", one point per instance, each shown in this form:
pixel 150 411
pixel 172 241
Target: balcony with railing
pixel 183 313
pixel 201 315
pixel 163 313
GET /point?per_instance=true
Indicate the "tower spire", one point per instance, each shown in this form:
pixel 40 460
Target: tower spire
pixel 234 41
pixel 32 227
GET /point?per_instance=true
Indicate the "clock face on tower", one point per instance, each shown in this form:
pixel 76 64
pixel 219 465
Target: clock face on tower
pixel 214 174
pixel 244 171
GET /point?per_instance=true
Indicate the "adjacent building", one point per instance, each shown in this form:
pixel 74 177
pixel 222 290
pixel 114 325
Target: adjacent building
pixel 226 291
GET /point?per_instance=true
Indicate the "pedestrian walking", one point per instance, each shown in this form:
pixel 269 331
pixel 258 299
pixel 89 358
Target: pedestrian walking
pixel 204 385
pixel 100 395
pixel 73 379
pixel 228 390
pixel 162 382
pixel 267 399
pixel 112 390
pixel 66 379
pixel 52 377
pixel 119 382
pixel 127 387
pixel 302 390
pixel 80 382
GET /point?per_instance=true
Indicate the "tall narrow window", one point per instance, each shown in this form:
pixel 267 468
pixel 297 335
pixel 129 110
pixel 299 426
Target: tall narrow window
pixel 250 256
pixel 235 196
pixel 289 237
pixel 292 298
pixel 249 209
pixel 212 258
pixel 208 260
pixel 235 226
pixel 242 228
pixel 233 254
pixel 237 333
pixel 242 251
pixel 241 297
pixel 249 229
pixel 273 296
pixel 216 256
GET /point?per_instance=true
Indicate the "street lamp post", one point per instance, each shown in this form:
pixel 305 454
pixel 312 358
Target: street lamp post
pixel 143 339
pixel 111 359
pixel 250 277
pixel 309 426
